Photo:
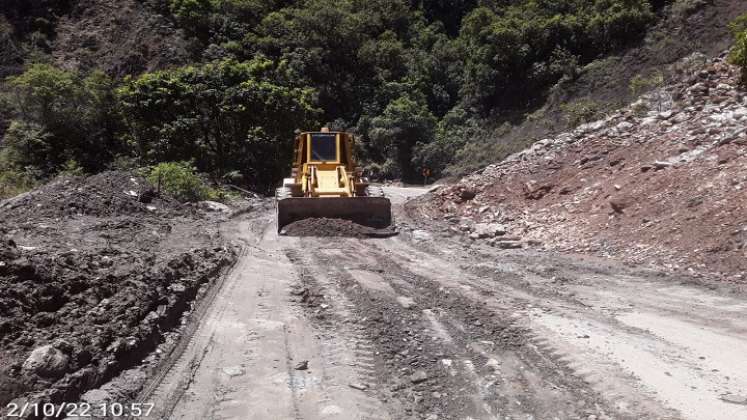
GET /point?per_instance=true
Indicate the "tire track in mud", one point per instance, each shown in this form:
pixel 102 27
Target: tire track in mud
pixel 491 357
pixel 338 337
pixel 535 295
pixel 620 391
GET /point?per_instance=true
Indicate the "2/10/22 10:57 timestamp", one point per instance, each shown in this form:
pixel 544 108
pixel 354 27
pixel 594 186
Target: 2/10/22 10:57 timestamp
pixel 80 410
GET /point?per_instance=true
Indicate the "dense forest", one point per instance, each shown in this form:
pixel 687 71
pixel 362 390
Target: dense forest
pixel 417 81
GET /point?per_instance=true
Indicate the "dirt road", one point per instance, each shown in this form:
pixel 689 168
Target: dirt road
pixel 418 326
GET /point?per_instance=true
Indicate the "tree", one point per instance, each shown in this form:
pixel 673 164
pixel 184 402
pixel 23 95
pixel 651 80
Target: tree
pixel 453 132
pixel 68 116
pixel 226 116
pixel 405 122
pixel 527 46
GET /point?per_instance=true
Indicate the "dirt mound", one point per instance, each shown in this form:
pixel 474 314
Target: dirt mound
pixel 93 271
pixel 335 227
pixel 105 194
pixel 661 181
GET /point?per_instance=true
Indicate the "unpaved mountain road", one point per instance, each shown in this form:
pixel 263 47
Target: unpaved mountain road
pixel 412 327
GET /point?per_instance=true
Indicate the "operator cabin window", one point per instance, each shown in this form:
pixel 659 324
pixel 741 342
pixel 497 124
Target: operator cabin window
pixel 324 147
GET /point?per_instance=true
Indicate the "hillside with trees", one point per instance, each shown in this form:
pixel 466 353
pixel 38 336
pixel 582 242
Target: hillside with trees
pixel 223 84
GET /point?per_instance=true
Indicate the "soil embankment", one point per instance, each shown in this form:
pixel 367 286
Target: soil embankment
pixel 92 272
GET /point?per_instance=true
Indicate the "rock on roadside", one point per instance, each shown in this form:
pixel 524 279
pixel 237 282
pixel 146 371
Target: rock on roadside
pixel 46 361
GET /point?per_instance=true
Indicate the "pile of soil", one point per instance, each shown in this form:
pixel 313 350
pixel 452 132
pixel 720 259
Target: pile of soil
pixel 106 194
pixel 91 277
pixel 661 182
pixel 324 227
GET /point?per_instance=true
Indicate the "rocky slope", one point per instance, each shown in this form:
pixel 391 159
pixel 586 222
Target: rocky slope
pixel 120 38
pixel 661 181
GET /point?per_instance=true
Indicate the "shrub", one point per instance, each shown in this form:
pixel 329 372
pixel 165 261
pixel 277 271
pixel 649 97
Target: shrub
pixel 738 54
pixel 405 122
pixel 640 84
pixel 191 13
pixel 72 168
pixel 528 45
pixel 13 182
pixel 180 180
pixel 581 112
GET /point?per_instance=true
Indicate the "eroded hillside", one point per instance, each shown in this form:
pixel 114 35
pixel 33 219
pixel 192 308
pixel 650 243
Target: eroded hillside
pixel 661 181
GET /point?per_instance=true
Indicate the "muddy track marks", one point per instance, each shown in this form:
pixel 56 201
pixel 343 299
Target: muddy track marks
pixel 345 348
pixel 460 339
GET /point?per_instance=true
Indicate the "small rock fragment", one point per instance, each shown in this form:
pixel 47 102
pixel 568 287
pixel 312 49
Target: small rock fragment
pixel 233 371
pixel 735 399
pixel 659 165
pixel 418 377
pixel 508 244
pixel 406 302
pixel 358 385
pixel 421 236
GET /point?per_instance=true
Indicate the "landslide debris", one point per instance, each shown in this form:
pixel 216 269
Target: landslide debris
pixel 122 37
pixel 661 181
pixel 326 227
pixel 92 272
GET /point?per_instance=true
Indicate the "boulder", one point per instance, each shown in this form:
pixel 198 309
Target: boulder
pixel 406 302
pixel 508 244
pixel 214 206
pixel 466 194
pixel 421 236
pixel 489 230
pixel 46 361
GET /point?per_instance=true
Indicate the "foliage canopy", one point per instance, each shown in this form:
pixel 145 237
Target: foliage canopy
pixel 415 80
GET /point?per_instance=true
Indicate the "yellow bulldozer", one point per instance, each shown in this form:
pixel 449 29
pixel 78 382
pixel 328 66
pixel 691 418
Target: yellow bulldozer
pixel 326 183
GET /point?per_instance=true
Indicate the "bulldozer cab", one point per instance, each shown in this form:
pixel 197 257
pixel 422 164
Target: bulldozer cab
pixel 324 166
pixel 324 148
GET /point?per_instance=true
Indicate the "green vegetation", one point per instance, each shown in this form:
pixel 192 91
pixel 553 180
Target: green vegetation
pixel 640 84
pixel 14 182
pixel 415 81
pixel 180 180
pixel 581 112
pixel 61 116
pixel 739 52
pixel 225 116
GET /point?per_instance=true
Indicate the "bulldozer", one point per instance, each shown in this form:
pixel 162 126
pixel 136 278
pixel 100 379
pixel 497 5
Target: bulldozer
pixel 325 182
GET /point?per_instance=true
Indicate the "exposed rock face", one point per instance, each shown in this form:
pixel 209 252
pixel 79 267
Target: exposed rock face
pixel 122 37
pixel 660 181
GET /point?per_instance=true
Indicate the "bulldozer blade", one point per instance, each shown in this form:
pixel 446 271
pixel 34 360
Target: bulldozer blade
pixel 375 212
